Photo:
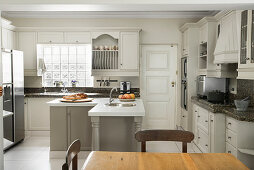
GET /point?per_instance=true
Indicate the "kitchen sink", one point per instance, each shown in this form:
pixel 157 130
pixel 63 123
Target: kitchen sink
pixel 121 104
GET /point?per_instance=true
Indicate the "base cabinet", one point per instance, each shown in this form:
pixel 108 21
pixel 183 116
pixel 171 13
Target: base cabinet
pixel 68 124
pixel 209 130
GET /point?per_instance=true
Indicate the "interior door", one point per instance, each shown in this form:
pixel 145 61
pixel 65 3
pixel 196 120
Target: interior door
pixel 158 89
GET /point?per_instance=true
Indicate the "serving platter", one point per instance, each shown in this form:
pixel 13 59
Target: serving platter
pixel 127 100
pixel 77 101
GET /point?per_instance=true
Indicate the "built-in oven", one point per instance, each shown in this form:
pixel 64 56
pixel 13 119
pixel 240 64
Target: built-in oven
pixel 184 94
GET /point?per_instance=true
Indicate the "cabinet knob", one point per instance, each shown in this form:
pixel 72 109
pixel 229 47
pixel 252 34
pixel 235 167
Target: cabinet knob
pixel 198 137
pixel 206 145
pixel 183 116
pixel 196 111
pixel 247 58
pixel 50 41
pixel 229 151
pixel 206 120
pixel 229 137
pixel 121 64
pixel 76 41
pixel 198 116
pixel 229 123
pixel 211 120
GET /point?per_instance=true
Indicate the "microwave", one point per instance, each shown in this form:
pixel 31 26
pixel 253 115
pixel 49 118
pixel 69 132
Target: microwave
pixel 209 84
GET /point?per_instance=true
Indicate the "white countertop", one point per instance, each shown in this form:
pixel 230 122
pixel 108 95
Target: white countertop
pixel 101 110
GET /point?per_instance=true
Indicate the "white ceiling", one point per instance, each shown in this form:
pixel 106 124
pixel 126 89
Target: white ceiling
pixel 109 14
pixel 119 8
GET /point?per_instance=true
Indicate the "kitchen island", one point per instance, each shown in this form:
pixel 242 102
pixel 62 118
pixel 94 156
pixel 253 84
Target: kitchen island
pixel 93 123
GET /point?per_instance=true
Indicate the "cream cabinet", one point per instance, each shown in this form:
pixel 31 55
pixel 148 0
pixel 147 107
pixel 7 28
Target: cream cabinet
pixel 209 130
pixel 203 34
pixel 68 124
pixel 37 114
pixel 26 42
pixel 77 37
pixel 50 37
pixel 8 39
pixel 185 43
pixel 240 140
pixel 246 58
pixel 129 50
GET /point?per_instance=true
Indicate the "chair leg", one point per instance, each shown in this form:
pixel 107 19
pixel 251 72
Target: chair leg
pixel 184 149
pixel 75 163
pixel 143 146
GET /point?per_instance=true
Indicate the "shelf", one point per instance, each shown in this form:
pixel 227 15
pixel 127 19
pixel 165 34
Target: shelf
pixel 6 113
pixel 104 50
pixel 247 151
pixel 203 56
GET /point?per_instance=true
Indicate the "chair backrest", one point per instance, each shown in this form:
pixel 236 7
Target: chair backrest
pixel 164 135
pixel 72 156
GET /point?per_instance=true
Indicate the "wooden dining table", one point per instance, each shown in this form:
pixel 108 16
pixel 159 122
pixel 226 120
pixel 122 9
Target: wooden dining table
pixel 101 160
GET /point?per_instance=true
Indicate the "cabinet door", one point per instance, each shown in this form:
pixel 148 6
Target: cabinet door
pixel 129 47
pixel 203 34
pixel 50 37
pixel 252 38
pixel 77 37
pixel 4 38
pixel 185 43
pixel 80 126
pixel 27 44
pixel 195 116
pixel 38 119
pixel 58 129
pixel 243 46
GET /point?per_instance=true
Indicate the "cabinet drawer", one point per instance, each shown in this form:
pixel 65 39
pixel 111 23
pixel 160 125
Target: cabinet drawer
pixel 231 124
pixel 231 149
pixel 203 141
pixel 231 137
pixel 202 119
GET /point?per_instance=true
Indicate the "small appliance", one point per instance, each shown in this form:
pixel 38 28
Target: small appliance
pixel 209 84
pixel 125 87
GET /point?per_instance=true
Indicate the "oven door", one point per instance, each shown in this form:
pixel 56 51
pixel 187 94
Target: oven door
pixel 184 94
pixel 184 68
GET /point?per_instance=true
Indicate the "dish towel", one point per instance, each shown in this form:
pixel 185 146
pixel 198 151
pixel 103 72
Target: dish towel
pixel 41 67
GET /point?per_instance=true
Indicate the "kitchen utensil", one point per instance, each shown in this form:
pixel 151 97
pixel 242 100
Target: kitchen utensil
pixel 242 105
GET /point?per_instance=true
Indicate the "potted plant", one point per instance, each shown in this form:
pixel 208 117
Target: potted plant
pixel 74 83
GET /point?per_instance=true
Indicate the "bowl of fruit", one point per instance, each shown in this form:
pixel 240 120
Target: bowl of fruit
pixel 126 97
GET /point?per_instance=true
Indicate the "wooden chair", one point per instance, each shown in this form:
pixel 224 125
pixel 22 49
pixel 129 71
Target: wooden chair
pixel 72 156
pixel 164 135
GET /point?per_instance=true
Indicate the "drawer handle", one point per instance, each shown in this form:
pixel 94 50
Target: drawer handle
pixel 229 151
pixel 195 111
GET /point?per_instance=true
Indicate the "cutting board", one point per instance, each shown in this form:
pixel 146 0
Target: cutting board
pixel 77 101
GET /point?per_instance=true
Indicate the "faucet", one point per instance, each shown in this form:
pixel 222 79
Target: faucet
pixel 110 95
pixel 63 90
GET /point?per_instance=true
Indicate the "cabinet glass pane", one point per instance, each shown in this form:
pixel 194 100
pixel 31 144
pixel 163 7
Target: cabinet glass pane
pixel 252 38
pixel 243 50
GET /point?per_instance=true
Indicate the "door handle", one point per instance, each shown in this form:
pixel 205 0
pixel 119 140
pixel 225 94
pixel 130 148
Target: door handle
pixel 173 84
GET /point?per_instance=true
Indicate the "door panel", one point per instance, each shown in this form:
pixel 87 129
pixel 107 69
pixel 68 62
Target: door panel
pixel 158 70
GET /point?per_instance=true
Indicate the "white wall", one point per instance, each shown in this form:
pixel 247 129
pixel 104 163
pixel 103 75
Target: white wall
pixel 1 107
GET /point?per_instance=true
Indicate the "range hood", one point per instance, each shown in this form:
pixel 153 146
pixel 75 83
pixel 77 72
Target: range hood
pixel 227 46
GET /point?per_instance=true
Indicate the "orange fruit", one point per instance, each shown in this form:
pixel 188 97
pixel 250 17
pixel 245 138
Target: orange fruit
pixel 132 96
pixel 120 96
pixel 127 96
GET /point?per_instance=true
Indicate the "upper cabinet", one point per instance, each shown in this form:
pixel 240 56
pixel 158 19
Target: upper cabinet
pixel 27 43
pixel 115 53
pixel 246 58
pixel 50 37
pixel 129 47
pixel 8 39
pixel 77 37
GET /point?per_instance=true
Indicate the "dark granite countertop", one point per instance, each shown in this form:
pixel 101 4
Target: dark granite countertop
pixel 59 95
pixel 229 110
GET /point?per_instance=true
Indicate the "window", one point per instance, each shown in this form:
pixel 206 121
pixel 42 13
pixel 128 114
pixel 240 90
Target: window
pixel 66 63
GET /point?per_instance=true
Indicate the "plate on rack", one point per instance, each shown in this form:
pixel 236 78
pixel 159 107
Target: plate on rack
pixel 127 100
pixel 77 101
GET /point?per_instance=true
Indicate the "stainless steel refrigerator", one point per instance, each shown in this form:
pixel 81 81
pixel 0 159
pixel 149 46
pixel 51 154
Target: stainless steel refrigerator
pixel 13 97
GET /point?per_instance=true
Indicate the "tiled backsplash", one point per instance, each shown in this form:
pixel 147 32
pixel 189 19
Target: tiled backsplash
pixel 245 88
